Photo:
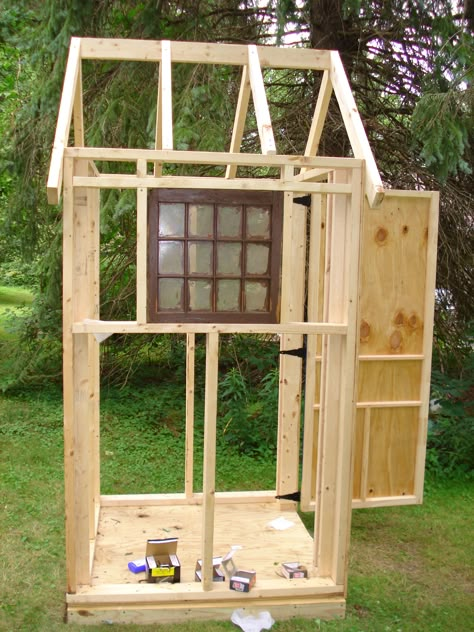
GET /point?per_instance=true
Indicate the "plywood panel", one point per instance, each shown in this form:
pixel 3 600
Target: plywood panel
pixel 398 262
pixel 392 450
pixel 123 532
pixel 389 381
pixel 396 309
pixel 393 276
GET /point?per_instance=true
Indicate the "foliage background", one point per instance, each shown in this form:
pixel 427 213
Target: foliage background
pixel 410 65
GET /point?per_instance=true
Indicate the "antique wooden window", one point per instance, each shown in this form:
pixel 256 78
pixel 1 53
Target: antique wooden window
pixel 213 256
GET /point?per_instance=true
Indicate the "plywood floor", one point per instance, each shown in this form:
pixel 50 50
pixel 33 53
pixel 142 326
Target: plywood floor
pixel 123 532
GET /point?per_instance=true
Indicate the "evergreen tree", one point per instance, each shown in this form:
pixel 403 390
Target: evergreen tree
pixel 410 65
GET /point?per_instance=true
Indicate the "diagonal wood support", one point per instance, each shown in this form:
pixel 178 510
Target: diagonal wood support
pixel 239 123
pixel 319 117
pixel 355 130
pixel 262 113
pixel 68 103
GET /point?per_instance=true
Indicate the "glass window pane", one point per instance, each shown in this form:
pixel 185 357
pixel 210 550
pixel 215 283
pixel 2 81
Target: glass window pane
pixel 229 258
pixel 228 295
pixel 170 294
pixel 170 257
pixel 201 220
pixel 171 220
pixel 258 257
pixel 200 257
pixel 258 222
pixel 256 293
pixel 229 221
pixel 200 297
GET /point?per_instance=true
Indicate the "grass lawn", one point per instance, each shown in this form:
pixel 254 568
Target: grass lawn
pixel 411 568
pixel 12 300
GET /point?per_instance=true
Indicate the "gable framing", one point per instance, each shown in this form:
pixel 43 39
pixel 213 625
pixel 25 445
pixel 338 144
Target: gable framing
pixel 252 59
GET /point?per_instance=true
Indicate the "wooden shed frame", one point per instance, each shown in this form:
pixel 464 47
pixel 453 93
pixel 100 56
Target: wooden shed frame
pixel 358 280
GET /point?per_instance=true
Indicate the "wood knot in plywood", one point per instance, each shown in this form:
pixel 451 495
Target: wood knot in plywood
pixel 396 341
pixel 405 229
pixel 381 235
pixel 414 321
pixel 364 331
pixel 399 319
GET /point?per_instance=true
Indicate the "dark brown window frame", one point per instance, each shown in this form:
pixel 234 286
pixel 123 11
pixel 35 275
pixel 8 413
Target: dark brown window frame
pixel 223 197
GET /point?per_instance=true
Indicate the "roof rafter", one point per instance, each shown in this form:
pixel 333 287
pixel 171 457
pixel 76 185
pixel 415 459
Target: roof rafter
pixel 252 59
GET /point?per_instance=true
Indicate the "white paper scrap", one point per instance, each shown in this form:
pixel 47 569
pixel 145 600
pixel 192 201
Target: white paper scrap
pixel 252 622
pixel 230 554
pixel 281 523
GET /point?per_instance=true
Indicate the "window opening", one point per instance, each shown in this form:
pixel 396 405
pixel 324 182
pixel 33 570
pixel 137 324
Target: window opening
pixel 214 256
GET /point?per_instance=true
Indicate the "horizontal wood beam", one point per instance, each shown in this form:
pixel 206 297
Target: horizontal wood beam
pixel 202 53
pixel 391 357
pixel 132 327
pixel 385 501
pixel 290 592
pixel 189 182
pixel 313 175
pixel 149 500
pixel 390 404
pixel 119 154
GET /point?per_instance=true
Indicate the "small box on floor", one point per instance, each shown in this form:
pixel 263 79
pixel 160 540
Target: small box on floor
pixel 162 563
pixel 217 574
pixel 243 581
pixel 294 570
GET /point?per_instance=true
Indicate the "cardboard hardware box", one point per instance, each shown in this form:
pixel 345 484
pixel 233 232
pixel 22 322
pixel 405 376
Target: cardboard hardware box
pixel 243 581
pixel 294 570
pixel 217 574
pixel 162 562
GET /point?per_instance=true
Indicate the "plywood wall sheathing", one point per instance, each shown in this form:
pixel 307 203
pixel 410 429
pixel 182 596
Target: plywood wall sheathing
pixel 396 309
pixel 394 313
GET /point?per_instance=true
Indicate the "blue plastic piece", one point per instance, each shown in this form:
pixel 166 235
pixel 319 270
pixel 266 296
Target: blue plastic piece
pixel 137 566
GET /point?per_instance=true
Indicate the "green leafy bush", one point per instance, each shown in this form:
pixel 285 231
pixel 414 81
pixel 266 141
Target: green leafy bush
pixel 451 425
pixel 248 396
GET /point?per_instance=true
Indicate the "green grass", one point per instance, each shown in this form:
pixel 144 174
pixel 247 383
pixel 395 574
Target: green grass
pixel 411 568
pixel 13 300
pixel 15 296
